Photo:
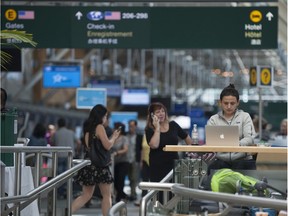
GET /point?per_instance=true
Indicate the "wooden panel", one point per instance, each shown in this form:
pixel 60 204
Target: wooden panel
pixel 203 148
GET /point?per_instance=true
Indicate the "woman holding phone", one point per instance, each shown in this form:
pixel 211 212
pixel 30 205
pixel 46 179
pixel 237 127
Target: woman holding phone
pixel 91 175
pixel 160 132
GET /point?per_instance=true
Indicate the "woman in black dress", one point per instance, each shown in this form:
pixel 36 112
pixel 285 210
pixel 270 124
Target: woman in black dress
pixel 91 175
pixel 159 133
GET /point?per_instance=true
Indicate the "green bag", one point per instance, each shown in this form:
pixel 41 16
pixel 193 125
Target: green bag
pixel 228 181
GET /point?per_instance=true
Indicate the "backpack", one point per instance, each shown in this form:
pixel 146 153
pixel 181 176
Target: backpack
pixel 229 181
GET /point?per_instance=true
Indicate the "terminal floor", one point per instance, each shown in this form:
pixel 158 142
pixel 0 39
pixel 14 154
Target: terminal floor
pixel 94 208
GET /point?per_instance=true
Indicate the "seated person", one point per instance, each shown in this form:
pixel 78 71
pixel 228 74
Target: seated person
pixel 231 115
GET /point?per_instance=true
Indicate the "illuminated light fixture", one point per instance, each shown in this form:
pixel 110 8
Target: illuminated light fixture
pixel 279 72
pixel 227 74
pixel 216 71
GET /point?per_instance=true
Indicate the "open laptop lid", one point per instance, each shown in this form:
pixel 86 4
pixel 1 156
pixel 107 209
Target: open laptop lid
pixel 222 135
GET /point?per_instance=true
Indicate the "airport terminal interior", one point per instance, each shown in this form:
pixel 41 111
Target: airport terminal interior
pixel 128 54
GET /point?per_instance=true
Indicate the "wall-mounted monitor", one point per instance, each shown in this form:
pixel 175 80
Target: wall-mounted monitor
pixel 87 98
pixel 112 84
pixel 135 96
pixel 123 117
pixel 62 74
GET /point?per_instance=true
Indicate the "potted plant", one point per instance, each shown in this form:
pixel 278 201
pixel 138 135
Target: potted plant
pixel 16 35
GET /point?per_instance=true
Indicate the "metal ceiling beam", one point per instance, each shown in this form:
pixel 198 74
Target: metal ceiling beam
pixel 38 76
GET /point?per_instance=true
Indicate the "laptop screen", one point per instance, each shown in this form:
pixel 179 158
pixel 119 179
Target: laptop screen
pixel 220 135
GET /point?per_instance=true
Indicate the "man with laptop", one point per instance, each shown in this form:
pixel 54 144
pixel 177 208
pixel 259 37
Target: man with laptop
pixel 231 127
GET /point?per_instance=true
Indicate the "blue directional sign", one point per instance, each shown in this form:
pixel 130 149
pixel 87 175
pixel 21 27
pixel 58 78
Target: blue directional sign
pixel 87 98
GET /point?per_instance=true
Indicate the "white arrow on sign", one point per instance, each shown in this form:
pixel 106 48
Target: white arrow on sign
pixel 78 15
pixel 269 16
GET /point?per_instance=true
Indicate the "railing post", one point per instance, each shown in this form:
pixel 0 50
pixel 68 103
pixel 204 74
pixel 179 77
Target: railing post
pixel 17 188
pixel 69 185
pixel 52 196
pixel 37 174
pixel 2 183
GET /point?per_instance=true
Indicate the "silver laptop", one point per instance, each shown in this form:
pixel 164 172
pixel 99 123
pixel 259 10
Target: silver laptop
pixel 222 135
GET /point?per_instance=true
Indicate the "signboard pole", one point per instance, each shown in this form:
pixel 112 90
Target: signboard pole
pixel 260 113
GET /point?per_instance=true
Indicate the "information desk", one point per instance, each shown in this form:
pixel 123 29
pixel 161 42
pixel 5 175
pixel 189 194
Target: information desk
pixel 27 185
pixel 204 148
pixel 274 158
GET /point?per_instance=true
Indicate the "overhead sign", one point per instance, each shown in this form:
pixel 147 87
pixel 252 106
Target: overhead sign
pixel 266 75
pixel 261 76
pixel 87 98
pixel 144 27
pixel 181 1
pixel 253 76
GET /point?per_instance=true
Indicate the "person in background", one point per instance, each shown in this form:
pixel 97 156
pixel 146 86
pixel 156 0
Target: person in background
pixel 280 138
pixel 134 156
pixel 50 133
pixel 265 129
pixel 144 166
pixel 108 129
pixel 283 128
pixel 91 175
pixel 160 132
pixel 231 115
pixel 37 139
pixel 4 98
pixel 121 164
pixel 64 137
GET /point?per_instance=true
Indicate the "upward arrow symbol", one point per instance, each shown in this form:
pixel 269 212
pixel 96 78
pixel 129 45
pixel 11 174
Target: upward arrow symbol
pixel 78 15
pixel 269 16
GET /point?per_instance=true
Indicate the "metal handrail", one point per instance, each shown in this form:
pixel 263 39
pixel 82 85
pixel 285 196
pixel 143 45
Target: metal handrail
pixel 231 199
pixel 181 191
pixel 120 207
pixel 50 185
pixel 152 194
pixel 33 149
pixel 46 187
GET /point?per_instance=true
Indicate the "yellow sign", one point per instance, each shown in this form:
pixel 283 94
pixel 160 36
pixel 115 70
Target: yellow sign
pixel 265 76
pixel 253 76
pixel 255 16
pixel 10 14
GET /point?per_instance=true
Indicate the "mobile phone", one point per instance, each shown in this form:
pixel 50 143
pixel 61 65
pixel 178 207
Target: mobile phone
pixel 119 128
pixel 152 115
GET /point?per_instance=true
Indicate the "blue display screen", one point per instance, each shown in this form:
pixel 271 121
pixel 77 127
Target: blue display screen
pixel 62 76
pixel 135 96
pixel 113 87
pixel 123 117
pixel 87 98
